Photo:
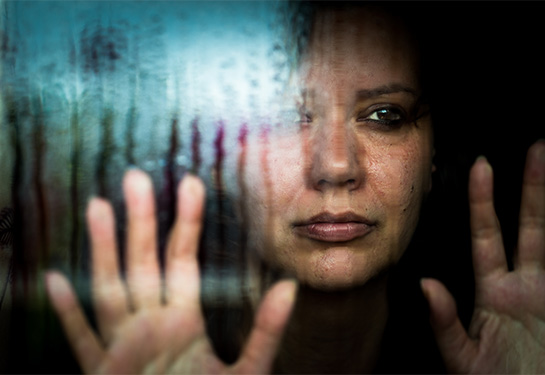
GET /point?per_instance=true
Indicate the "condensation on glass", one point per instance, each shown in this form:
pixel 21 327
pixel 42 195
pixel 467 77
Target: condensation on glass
pixel 90 89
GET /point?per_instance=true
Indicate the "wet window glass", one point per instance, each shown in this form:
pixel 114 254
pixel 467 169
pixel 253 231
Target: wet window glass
pixel 332 145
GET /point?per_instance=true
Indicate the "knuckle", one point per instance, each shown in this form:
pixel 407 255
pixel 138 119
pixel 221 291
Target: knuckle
pixel 532 221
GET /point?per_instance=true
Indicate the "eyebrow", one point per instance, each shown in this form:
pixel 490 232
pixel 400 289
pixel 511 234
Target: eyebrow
pixel 386 89
pixel 375 92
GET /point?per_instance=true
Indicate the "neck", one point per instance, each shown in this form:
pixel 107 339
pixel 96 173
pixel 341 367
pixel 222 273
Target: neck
pixel 336 331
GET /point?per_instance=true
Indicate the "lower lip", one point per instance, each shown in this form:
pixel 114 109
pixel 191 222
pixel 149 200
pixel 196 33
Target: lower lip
pixel 333 232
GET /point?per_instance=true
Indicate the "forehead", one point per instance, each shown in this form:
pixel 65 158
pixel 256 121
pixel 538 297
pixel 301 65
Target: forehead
pixel 359 46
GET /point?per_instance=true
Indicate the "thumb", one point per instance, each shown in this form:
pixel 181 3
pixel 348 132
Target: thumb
pixel 456 348
pixel 270 321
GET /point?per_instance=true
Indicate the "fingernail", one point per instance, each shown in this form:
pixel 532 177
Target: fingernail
pixel 191 185
pixel 424 290
pixel 55 283
pixel 97 208
pixel 90 200
pixel 483 159
pixel 291 291
pixel 139 180
pixel 191 196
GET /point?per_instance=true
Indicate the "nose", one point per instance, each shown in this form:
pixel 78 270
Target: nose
pixel 334 159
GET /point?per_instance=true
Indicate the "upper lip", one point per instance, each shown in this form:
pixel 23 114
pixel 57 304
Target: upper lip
pixel 328 217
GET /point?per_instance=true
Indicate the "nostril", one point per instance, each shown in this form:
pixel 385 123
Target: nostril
pixel 349 182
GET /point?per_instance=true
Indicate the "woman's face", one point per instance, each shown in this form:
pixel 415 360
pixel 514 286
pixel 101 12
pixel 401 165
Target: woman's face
pixel 336 202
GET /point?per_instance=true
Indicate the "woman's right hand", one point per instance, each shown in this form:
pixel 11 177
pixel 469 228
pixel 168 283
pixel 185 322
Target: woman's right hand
pixel 149 323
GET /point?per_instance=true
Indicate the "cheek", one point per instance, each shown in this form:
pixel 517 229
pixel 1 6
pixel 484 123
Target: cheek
pixel 400 179
pixel 274 179
pixel 277 169
pixel 393 180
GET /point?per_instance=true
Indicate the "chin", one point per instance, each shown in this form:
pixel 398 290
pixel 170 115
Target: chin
pixel 340 269
pixel 331 284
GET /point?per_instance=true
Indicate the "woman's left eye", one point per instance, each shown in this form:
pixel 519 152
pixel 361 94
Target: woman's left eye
pixel 391 116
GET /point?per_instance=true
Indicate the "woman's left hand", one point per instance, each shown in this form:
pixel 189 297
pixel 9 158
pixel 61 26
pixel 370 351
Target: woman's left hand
pixel 507 330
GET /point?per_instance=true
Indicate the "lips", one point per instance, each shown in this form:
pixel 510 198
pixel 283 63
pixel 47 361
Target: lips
pixel 328 227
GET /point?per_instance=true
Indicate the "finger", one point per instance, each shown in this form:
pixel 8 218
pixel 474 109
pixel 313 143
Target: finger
pixel 486 239
pixel 83 341
pixel 531 242
pixel 143 277
pixel 109 294
pixel 182 269
pixel 270 322
pixel 457 349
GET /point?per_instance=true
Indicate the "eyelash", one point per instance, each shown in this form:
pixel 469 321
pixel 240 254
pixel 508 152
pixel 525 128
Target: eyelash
pixel 402 117
pixel 400 114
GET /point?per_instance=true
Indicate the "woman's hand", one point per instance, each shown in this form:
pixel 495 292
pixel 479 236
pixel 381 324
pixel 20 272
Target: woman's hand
pixel 148 323
pixel 507 330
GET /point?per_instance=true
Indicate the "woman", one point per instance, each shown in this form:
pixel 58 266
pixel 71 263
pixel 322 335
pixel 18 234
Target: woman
pixel 334 205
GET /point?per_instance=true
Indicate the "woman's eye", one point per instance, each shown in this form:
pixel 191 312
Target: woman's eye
pixel 386 116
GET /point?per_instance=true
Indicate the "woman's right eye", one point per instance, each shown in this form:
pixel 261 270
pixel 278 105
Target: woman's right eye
pixel 389 116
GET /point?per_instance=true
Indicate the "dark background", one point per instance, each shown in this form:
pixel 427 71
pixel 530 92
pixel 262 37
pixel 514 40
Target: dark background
pixel 487 77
